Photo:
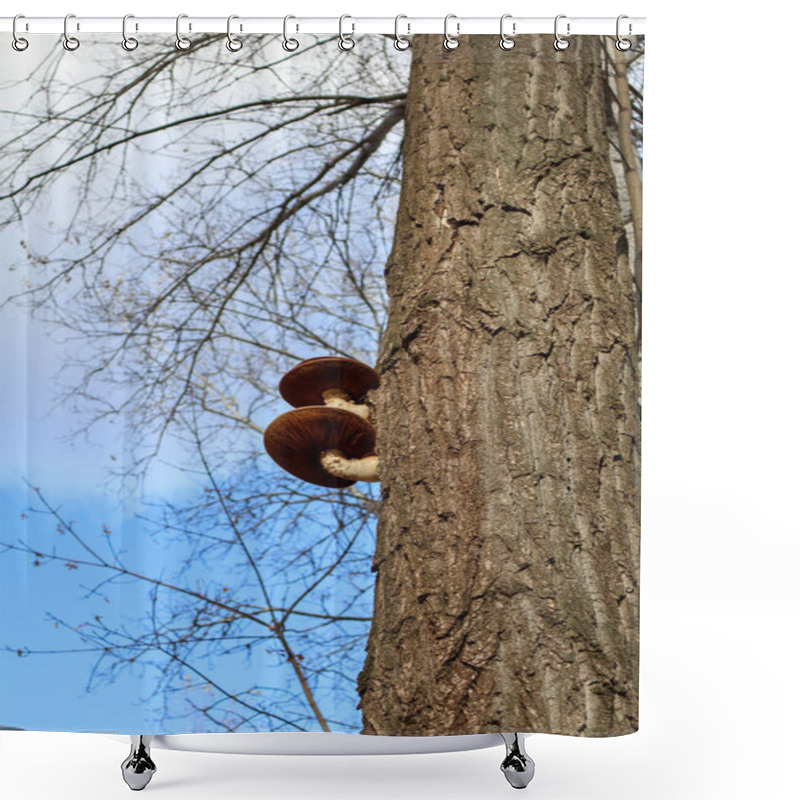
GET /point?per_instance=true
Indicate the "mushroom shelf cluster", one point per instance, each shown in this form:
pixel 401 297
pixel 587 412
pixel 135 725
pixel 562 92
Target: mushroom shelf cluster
pixel 328 439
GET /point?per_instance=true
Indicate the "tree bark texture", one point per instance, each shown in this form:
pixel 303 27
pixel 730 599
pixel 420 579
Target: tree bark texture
pixel 508 416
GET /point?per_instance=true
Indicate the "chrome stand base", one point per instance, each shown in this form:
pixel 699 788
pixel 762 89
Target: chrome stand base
pixel 517 766
pixel 138 768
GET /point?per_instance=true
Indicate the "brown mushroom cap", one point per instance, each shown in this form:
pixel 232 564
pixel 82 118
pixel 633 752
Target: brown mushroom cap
pixel 304 384
pixel 296 439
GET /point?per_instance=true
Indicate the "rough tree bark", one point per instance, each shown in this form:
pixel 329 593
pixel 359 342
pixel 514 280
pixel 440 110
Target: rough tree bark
pixel 507 418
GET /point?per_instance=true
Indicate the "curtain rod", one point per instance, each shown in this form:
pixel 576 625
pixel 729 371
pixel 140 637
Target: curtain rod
pixel 457 26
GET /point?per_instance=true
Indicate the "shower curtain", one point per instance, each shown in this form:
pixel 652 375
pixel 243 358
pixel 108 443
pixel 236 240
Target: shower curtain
pixel 185 228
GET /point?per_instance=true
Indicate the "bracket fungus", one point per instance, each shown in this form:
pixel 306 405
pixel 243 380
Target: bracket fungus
pixel 323 445
pixel 331 381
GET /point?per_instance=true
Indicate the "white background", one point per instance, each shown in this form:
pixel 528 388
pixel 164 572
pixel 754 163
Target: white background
pixel 720 552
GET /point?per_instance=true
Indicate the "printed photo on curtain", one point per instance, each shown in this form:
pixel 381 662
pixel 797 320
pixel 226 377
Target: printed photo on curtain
pixel 321 385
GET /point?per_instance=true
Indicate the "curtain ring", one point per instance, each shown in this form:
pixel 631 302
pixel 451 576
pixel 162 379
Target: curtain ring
pixel 506 41
pixel 623 44
pixel 450 42
pixel 234 44
pixel 290 45
pixel 128 42
pixel 560 42
pixel 346 42
pixel 400 42
pixel 181 42
pixel 18 42
pixel 70 42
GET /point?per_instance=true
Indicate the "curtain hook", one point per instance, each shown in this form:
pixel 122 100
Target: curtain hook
pixel 234 44
pixel 400 42
pixel 506 41
pixel 623 44
pixel 289 44
pixel 346 42
pixel 70 42
pixel 19 43
pixel 181 42
pixel 450 42
pixel 128 42
pixel 560 42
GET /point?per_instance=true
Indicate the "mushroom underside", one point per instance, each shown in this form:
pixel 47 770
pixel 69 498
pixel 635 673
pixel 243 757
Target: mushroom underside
pixel 306 383
pixel 297 439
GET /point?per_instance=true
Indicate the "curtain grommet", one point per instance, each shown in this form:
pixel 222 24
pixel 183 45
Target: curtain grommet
pixel 560 43
pixel 450 41
pixel 128 42
pixel 70 42
pixel 234 43
pixel 289 44
pixel 507 41
pixel 19 43
pixel 181 42
pixel 623 44
pixel 400 42
pixel 346 42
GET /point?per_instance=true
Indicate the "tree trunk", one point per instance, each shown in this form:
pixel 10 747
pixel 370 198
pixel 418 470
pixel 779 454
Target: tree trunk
pixel 507 418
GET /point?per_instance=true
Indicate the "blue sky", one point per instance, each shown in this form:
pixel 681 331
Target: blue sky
pixel 44 691
pixel 49 691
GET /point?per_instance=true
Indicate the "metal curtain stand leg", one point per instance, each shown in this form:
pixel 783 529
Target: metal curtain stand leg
pixel 517 766
pixel 138 768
